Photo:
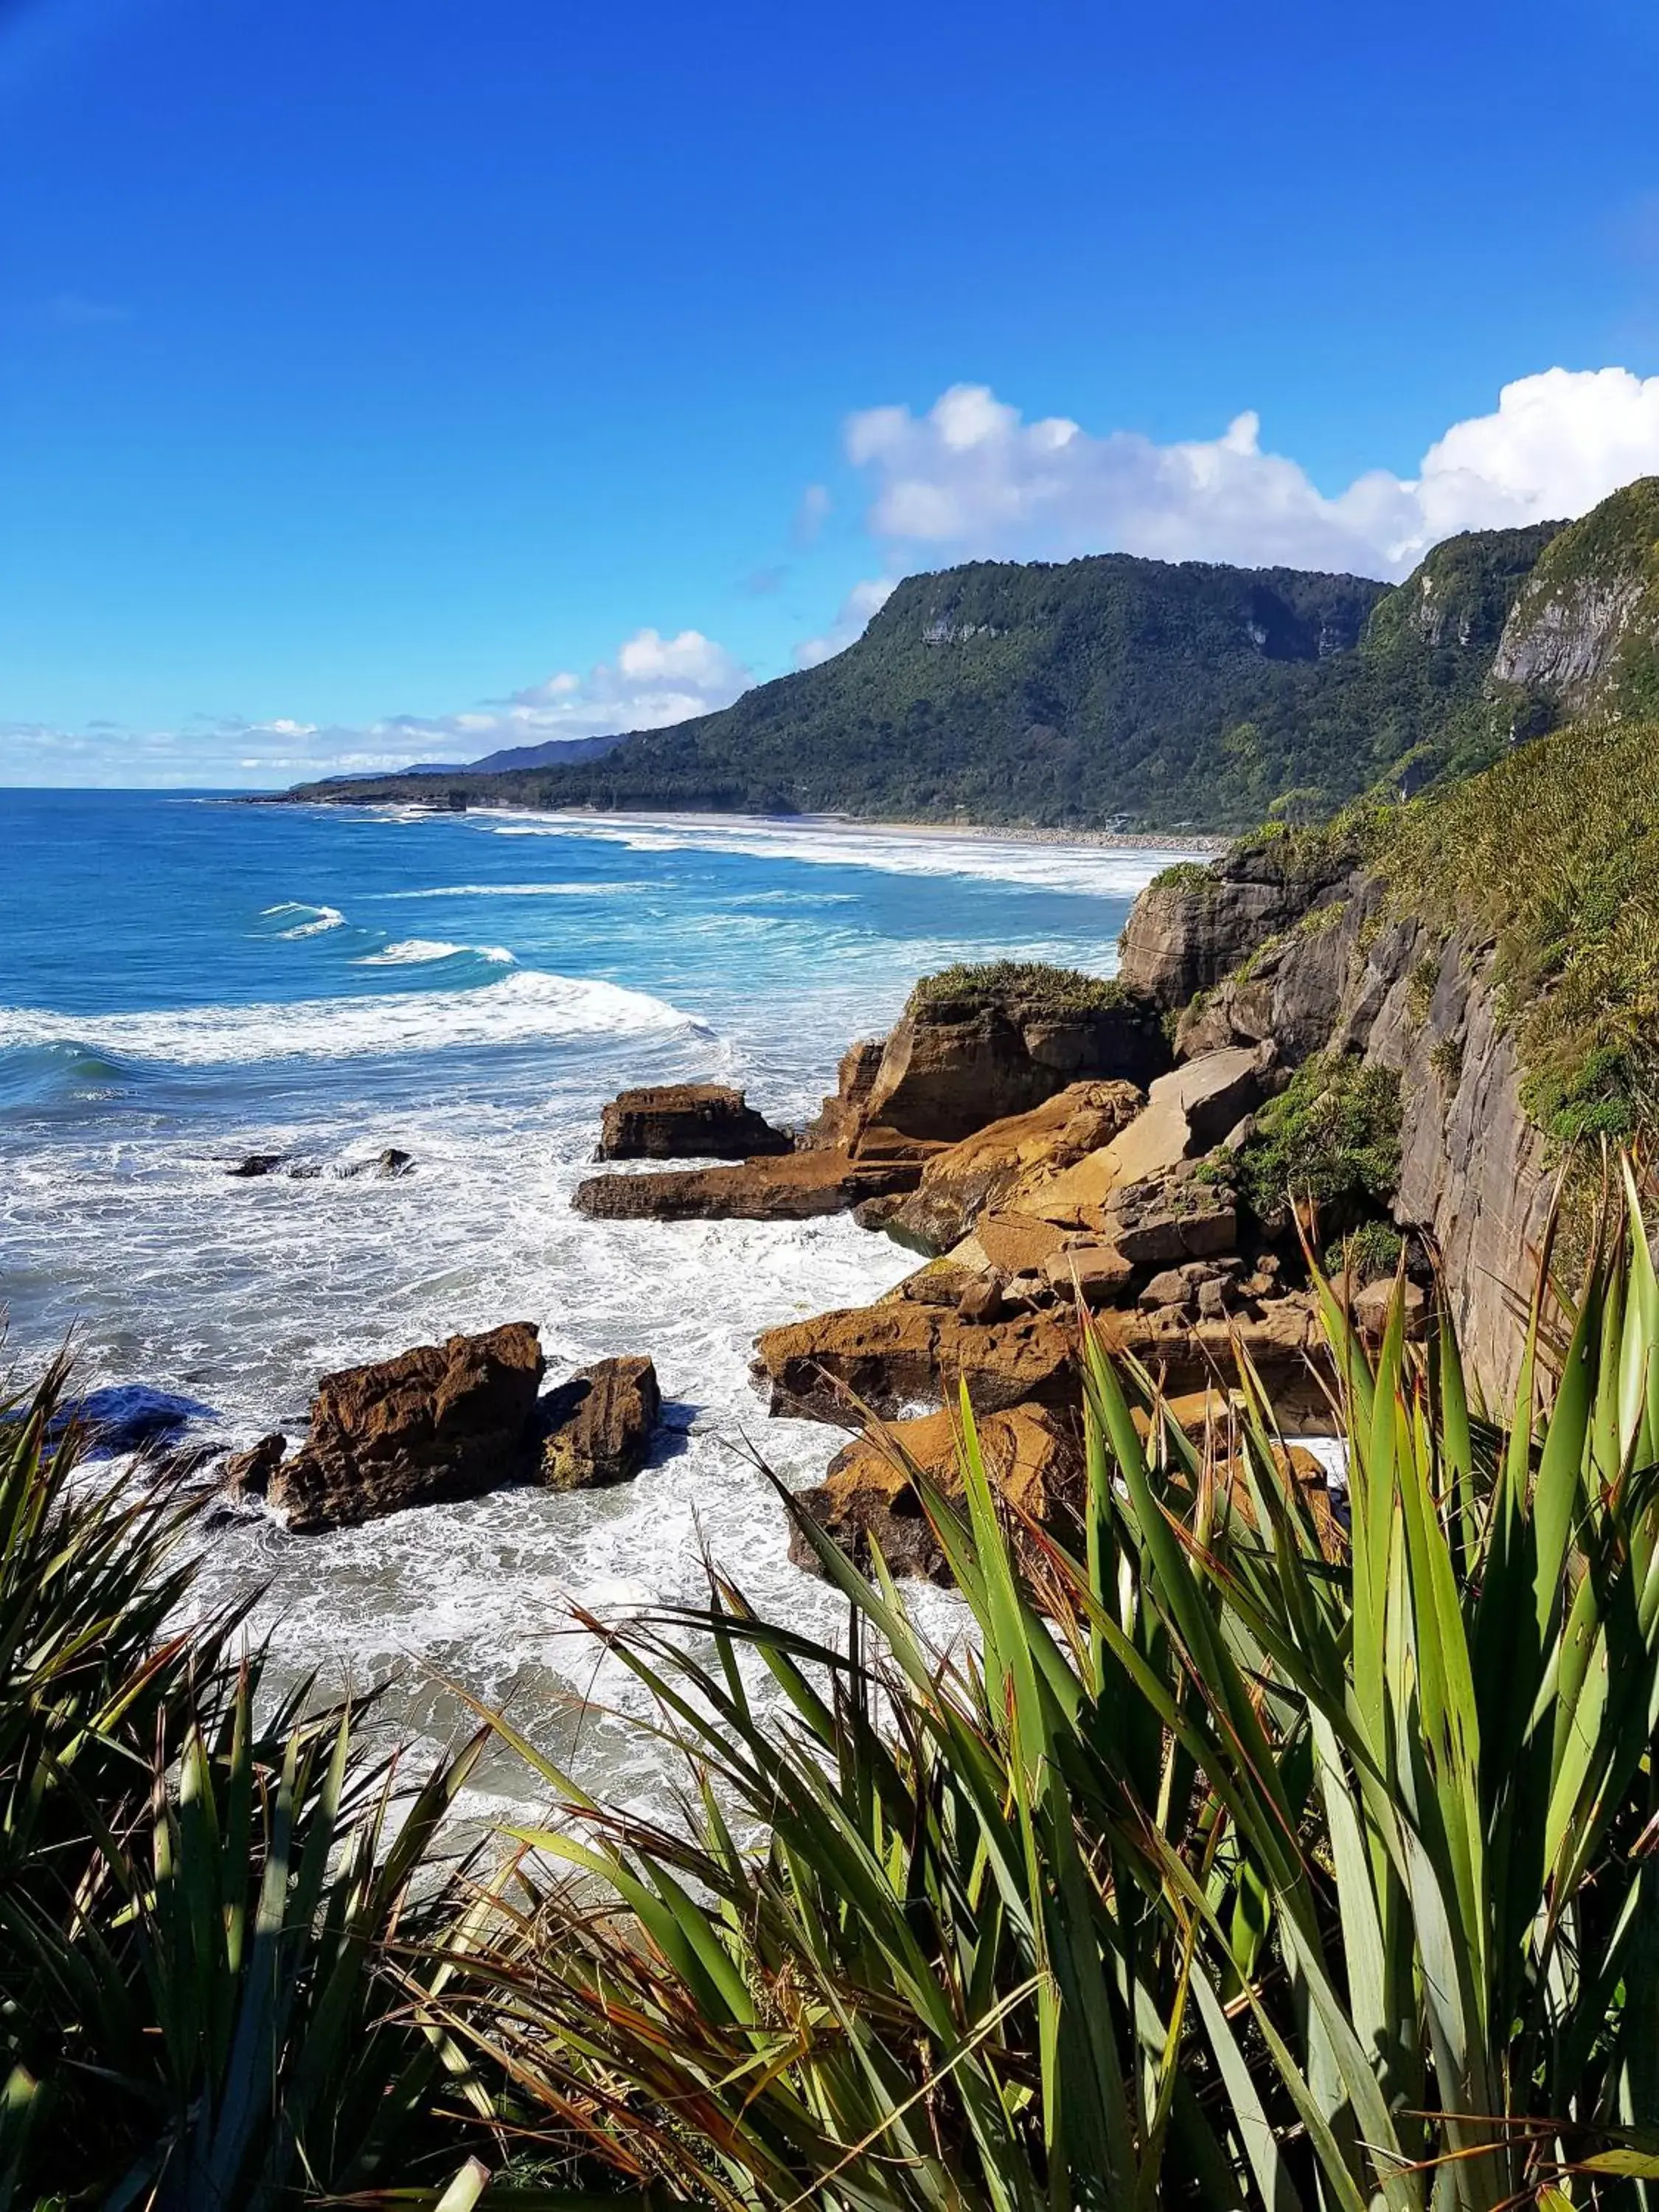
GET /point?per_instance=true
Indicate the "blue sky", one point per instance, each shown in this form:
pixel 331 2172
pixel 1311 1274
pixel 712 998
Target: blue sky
pixel 526 369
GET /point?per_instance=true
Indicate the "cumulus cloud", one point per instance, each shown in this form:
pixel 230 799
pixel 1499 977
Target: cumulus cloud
pixel 652 681
pixel 864 600
pixel 971 475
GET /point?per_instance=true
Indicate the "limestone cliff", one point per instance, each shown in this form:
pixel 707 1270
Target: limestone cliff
pixel 1583 636
pixel 1343 974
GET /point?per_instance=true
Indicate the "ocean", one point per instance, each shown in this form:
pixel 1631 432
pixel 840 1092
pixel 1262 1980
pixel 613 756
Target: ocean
pixel 185 980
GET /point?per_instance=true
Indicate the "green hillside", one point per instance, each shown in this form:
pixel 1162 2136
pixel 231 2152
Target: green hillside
pixel 1106 690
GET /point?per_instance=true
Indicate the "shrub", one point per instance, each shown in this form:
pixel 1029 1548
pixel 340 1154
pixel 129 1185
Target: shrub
pixel 1371 1251
pixel 1233 1864
pixel 1030 985
pixel 1332 1135
pixel 1184 876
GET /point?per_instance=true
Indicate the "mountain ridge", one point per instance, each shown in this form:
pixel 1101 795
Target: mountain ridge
pixel 1115 691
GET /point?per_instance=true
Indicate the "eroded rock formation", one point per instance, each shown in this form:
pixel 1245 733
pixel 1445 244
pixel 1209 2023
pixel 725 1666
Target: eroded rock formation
pixel 686 1122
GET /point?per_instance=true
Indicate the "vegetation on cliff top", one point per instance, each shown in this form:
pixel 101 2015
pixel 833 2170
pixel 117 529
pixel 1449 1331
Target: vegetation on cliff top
pixel 1107 689
pixel 1554 855
pixel 1026 986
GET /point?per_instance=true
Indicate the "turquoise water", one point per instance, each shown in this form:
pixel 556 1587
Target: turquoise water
pixel 183 981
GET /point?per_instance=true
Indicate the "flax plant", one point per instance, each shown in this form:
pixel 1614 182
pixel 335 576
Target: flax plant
pixel 1222 1865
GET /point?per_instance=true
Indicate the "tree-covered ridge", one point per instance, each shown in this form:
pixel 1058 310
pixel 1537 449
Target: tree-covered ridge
pixel 1106 690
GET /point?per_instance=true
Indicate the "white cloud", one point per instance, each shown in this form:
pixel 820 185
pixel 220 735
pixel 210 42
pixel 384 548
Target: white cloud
pixel 971 477
pixel 652 681
pixel 864 600
pixel 812 515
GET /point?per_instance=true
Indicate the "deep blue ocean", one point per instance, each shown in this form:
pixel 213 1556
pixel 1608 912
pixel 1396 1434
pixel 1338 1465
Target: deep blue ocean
pixel 185 980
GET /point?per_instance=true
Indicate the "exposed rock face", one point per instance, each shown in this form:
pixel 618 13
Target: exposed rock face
pixel 686 1122
pixel 248 1474
pixel 599 1424
pixel 1184 935
pixel 844 1114
pixel 900 1354
pixel 1473 1171
pixel 953 1064
pixel 786 1187
pixel 1001 1166
pixel 1031 1455
pixel 441 1421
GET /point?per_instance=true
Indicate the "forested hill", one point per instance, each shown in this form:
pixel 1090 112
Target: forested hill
pixel 1106 690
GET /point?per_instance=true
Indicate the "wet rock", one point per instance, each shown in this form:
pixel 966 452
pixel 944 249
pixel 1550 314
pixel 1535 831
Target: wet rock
pixel 255 1163
pixel 789 1187
pixel 248 1474
pixel 129 1417
pixel 868 1499
pixel 1002 1167
pixel 598 1426
pixel 441 1421
pixel 686 1122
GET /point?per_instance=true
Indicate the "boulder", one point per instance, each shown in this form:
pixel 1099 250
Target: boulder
pixel 248 1474
pixel 1081 1266
pixel 784 1187
pixel 1371 1308
pixel 867 1498
pixel 255 1163
pixel 982 1301
pixel 1018 1244
pixel 686 1122
pixel 1003 1165
pixel 1169 1218
pixel 978 1045
pixel 441 1421
pixel 596 1427
pixel 897 1355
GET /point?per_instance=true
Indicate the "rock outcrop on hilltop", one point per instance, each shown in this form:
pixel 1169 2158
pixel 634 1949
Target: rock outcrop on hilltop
pixel 686 1122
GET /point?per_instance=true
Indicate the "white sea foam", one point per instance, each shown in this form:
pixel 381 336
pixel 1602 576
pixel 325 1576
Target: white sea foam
pixel 323 918
pixel 524 1007
pixel 1097 871
pixel 412 951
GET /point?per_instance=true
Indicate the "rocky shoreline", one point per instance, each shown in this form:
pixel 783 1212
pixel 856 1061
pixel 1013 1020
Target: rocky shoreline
pixel 1048 1145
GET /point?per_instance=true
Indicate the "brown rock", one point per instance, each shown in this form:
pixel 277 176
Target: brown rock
pixel 1371 1308
pixel 686 1122
pixel 1001 1046
pixel 1185 934
pixel 982 1301
pixel 1099 1272
pixel 842 1115
pixel 1019 1243
pixel 1166 1220
pixel 248 1474
pixel 441 1421
pixel 789 1187
pixel 897 1354
pixel 868 1499
pixel 1169 1289
pixel 1001 1167
pixel 940 1283
pixel 598 1425
pixel 1211 1299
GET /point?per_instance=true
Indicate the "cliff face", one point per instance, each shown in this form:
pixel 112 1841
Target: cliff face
pixel 1341 974
pixel 1583 636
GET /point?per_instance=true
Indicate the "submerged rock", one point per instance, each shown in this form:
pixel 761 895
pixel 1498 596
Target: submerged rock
pixel 686 1122
pixel 255 1163
pixel 598 1426
pixel 441 1421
